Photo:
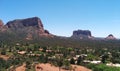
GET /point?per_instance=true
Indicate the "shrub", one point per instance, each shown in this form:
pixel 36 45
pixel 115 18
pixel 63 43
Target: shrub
pixel 102 67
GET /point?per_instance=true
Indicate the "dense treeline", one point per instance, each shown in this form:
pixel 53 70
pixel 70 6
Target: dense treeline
pixel 59 41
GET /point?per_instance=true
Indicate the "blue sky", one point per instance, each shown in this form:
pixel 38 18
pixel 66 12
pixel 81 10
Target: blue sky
pixel 61 17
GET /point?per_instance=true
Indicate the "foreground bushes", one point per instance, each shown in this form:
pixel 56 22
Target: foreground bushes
pixel 102 67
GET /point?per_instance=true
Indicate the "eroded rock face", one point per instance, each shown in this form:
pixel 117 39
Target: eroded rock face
pixel 29 27
pixel 82 34
pixel 110 37
pixel 22 23
pixel 2 27
pixel 1 23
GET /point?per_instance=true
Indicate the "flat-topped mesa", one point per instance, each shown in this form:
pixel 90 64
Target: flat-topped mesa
pixel 82 34
pixel 110 37
pixel 30 26
pixel 21 23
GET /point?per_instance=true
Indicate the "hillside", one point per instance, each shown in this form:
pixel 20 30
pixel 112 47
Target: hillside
pixel 25 41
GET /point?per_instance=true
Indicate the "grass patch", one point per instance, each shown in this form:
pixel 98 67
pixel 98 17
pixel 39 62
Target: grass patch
pixel 102 67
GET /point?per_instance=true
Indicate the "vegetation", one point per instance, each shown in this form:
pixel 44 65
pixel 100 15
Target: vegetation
pixel 60 52
pixel 102 67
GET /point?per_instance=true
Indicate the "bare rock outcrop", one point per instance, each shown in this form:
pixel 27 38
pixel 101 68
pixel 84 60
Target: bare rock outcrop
pixel 30 27
pixel 82 34
pixel 1 23
pixel 110 37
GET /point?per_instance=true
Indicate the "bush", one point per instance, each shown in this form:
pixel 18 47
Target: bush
pixel 90 66
pixel 102 67
pixel 3 52
pixel 72 61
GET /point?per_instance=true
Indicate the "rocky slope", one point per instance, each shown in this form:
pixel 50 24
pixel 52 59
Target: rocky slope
pixel 82 34
pixel 2 26
pixel 110 37
pixel 1 23
pixel 30 27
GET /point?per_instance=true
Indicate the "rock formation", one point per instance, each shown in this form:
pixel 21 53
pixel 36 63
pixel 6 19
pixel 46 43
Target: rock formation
pixel 2 27
pixel 82 34
pixel 1 23
pixel 28 27
pixel 110 37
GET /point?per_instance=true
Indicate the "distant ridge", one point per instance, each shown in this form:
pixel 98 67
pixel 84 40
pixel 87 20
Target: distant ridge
pixel 31 28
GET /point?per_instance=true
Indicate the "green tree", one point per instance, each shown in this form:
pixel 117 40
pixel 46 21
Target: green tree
pixel 104 58
pixel 80 59
pixel 3 52
pixel 72 61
